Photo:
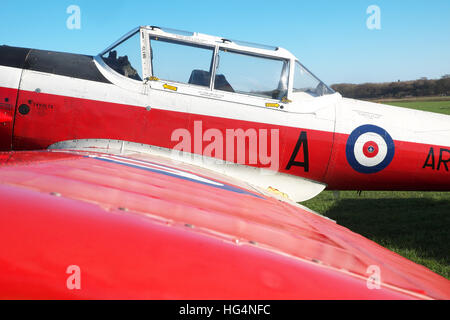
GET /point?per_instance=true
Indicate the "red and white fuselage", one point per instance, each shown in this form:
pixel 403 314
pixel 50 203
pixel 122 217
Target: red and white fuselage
pixel 301 142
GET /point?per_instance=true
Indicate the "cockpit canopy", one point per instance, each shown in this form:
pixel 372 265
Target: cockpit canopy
pixel 125 57
pixel 152 53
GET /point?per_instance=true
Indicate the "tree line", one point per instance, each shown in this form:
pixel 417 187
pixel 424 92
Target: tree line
pixel 400 89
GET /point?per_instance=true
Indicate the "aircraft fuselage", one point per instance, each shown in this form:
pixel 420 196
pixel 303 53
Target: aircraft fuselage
pixel 47 98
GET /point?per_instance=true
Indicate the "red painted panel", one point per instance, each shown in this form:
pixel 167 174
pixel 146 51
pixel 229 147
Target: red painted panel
pixel 56 118
pixel 7 104
pixel 319 144
pixel 67 118
pixel 405 172
pixel 177 238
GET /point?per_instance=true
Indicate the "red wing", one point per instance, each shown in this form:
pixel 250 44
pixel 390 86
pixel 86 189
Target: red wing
pixel 145 227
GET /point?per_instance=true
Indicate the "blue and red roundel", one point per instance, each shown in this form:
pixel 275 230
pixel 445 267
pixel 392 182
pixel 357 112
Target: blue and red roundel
pixel 369 149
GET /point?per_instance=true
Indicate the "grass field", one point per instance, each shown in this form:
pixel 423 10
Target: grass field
pixel 415 225
pixel 435 104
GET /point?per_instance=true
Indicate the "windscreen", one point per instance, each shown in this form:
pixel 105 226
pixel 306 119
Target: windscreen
pixel 125 58
pixel 305 81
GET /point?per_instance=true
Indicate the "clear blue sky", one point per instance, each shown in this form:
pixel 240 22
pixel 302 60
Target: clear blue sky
pixel 329 37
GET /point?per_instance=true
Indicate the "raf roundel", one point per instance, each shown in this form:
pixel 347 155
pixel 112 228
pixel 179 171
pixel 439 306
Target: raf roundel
pixel 369 149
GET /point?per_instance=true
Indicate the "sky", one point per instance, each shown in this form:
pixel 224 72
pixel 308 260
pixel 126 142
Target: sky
pixel 331 38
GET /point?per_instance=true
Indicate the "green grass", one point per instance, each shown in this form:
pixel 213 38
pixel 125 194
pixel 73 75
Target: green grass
pixel 415 225
pixel 432 106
